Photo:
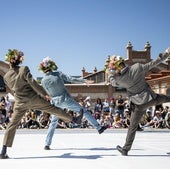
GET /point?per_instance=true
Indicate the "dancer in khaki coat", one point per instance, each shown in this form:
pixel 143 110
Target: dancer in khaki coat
pixel 28 95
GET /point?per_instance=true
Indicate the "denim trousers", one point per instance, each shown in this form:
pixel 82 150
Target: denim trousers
pixel 51 130
pixel 74 106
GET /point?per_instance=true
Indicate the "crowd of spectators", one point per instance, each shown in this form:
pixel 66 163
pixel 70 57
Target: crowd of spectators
pixel 113 113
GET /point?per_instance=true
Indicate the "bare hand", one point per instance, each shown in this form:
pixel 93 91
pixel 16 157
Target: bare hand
pixel 48 98
pixel 168 50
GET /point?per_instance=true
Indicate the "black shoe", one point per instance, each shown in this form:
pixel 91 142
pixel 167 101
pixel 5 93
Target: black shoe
pixel 78 119
pixel 103 128
pixel 47 148
pixel 4 156
pixel 122 151
pixel 139 128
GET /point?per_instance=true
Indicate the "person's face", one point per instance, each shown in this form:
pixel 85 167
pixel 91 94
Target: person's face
pixel 118 70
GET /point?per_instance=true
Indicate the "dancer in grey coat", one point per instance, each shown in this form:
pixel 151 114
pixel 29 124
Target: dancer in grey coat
pixel 139 92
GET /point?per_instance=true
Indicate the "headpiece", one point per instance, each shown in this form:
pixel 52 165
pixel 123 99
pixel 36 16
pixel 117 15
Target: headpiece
pixel 47 65
pixel 115 62
pixel 14 56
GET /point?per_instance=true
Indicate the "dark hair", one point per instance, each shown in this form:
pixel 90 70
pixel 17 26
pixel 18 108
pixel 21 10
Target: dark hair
pixel 122 64
pixel 17 62
pixel 2 99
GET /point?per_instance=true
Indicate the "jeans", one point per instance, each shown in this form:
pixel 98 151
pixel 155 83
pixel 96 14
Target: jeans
pixel 70 104
pixel 51 130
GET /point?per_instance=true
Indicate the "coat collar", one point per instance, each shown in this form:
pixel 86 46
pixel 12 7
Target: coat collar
pixel 124 70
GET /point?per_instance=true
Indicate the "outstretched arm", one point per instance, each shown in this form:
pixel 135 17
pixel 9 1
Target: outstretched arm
pixel 111 77
pixel 161 58
pixel 113 81
pixel 71 79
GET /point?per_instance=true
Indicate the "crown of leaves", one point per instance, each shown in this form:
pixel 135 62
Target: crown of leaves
pixel 47 64
pixel 14 56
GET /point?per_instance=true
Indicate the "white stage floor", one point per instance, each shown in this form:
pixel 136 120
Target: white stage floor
pixel 86 149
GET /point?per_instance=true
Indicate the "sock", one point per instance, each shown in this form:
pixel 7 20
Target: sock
pixel 4 149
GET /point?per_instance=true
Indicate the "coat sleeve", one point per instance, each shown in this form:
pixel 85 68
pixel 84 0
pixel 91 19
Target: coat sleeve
pixel 111 77
pixel 71 79
pixel 113 81
pixel 154 63
pixel 32 82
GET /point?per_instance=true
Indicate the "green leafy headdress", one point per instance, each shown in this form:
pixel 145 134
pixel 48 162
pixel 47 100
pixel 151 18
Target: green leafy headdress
pixel 47 65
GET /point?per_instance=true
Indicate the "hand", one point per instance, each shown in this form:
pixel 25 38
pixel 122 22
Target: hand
pixel 168 50
pixel 48 98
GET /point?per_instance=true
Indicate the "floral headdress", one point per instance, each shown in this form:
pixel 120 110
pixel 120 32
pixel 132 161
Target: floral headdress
pixel 47 64
pixel 14 56
pixel 115 62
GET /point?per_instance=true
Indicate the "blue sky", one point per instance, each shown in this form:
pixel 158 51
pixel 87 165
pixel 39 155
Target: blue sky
pixel 82 33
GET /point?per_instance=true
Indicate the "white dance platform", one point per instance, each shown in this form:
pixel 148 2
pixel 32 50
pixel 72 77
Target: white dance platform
pixel 86 149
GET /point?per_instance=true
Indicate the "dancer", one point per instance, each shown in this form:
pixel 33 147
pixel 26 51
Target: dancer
pixel 53 83
pixel 139 92
pixel 28 95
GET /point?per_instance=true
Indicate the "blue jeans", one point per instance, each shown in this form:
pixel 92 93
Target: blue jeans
pixel 51 130
pixel 70 104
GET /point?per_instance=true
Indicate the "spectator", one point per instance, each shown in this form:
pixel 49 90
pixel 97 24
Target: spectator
pixel 8 117
pixel 34 124
pixel 106 108
pixel 156 122
pixel 44 120
pixel 98 108
pixel 3 105
pixel 120 106
pixel 61 124
pixel 87 103
pixel 112 105
pixel 163 114
pixel 8 104
pixel 126 120
pixel 2 121
pixel 167 120
pixel 117 121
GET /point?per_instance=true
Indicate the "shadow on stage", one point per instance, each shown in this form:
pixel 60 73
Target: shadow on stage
pixel 66 155
pixel 92 157
pixel 88 157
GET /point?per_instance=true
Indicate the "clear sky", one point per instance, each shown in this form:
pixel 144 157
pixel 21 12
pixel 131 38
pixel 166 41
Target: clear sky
pixel 82 33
